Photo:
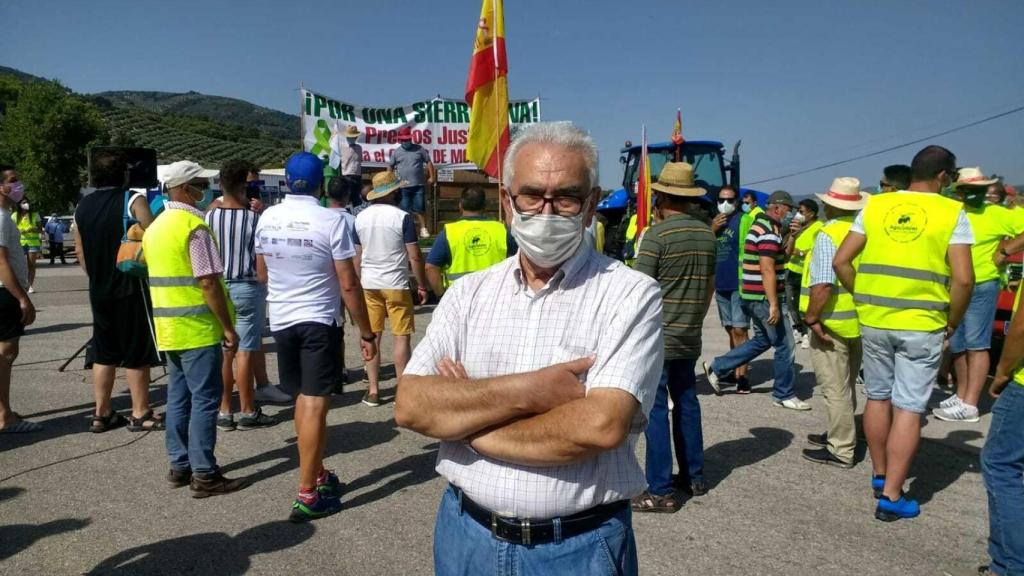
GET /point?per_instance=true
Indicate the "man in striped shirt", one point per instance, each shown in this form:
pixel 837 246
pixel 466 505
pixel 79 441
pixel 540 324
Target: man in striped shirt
pixel 678 252
pixel 763 296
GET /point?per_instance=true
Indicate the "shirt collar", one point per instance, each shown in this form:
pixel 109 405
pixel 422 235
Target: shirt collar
pixel 567 271
pixel 172 205
pixel 301 198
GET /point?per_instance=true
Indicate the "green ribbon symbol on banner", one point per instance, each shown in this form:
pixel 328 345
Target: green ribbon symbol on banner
pixel 322 133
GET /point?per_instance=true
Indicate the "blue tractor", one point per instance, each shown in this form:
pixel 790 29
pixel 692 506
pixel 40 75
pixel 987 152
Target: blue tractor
pixel 710 169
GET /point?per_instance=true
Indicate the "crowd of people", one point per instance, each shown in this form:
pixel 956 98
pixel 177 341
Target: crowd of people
pixel 545 360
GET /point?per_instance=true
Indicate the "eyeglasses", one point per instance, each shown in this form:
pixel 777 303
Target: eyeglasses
pixel 533 204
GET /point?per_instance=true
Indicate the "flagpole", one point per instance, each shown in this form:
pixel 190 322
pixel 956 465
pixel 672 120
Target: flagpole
pixel 302 116
pixel 494 52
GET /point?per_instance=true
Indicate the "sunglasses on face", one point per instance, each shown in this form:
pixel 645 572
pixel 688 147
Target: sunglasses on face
pixel 729 200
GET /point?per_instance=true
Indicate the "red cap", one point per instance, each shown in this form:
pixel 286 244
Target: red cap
pixel 404 133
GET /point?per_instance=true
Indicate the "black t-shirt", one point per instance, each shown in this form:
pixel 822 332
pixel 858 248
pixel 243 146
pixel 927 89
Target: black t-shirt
pixel 100 221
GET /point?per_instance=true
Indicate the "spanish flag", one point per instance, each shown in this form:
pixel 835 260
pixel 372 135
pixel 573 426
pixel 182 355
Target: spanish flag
pixel 643 189
pixel 487 91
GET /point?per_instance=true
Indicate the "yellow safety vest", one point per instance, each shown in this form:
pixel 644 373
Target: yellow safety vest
pixel 182 318
pixel 1018 376
pixel 802 248
pixel 990 224
pixel 29 229
pixel 475 245
pixel 903 279
pixel 839 314
pixel 599 237
pixel 631 238
pixel 746 221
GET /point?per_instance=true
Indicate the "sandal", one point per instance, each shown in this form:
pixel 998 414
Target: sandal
pixel 102 424
pixel 648 502
pixel 140 424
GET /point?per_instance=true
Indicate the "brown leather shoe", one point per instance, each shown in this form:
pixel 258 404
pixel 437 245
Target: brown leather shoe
pixel 215 485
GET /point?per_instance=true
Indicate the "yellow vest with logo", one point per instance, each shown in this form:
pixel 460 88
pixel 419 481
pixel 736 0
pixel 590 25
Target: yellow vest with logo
pixel 802 248
pixel 182 318
pixel 746 221
pixel 839 313
pixel 29 229
pixel 475 245
pixel 903 279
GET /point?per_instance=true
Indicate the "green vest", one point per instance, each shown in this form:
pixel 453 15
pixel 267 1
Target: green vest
pixel 903 279
pixel 475 245
pixel 802 248
pixel 839 313
pixel 182 318
pixel 29 229
pixel 746 221
pixel 1018 376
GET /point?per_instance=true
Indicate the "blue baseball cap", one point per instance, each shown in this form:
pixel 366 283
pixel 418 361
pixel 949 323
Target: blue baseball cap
pixel 304 172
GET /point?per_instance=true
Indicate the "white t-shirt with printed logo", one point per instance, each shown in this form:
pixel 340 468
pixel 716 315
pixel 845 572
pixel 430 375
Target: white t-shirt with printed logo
pixel 300 241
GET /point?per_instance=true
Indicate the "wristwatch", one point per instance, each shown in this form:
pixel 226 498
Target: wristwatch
pixel 369 339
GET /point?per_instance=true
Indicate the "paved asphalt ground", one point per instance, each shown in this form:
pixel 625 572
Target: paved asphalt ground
pixel 73 502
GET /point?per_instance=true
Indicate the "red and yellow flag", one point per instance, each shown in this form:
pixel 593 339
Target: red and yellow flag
pixel 487 91
pixel 643 189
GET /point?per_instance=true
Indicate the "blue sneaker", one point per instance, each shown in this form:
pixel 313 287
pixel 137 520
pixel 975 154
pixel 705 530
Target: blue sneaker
pixel 878 484
pixel 332 487
pixel 889 511
pixel 321 507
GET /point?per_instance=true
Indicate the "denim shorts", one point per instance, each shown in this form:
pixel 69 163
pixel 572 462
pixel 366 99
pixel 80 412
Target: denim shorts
pixel 412 200
pixel 901 365
pixel 250 300
pixel 975 331
pixel 730 309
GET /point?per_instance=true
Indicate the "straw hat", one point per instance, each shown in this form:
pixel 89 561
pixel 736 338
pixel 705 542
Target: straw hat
pixel 351 131
pixel 973 177
pixel 676 178
pixel 845 194
pixel 385 183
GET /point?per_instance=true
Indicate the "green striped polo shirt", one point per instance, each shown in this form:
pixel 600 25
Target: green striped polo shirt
pixel 679 253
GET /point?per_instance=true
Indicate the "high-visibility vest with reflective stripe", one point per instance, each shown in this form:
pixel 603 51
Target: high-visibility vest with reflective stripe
pixel 802 248
pixel 475 245
pixel 839 313
pixel 903 279
pixel 183 320
pixel 29 229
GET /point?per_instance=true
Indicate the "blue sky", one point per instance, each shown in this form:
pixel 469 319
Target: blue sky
pixel 802 83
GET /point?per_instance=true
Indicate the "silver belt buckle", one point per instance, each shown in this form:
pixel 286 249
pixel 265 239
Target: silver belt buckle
pixel 524 527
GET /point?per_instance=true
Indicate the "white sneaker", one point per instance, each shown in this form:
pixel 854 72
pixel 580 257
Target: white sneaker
pixel 31 290
pixel 953 400
pixel 712 379
pixel 271 394
pixel 424 233
pixel 805 341
pixel 959 413
pixel 796 334
pixel 793 403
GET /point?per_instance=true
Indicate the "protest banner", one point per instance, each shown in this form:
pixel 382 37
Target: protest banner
pixel 441 125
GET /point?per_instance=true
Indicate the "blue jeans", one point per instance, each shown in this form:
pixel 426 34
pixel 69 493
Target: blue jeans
pixel 193 396
pixel 412 200
pixel 1002 467
pixel 779 336
pixel 678 381
pixel 465 548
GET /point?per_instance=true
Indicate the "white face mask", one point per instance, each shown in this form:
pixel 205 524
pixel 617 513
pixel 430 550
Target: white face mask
pixel 548 240
pixel 726 208
pixel 24 205
pixel 799 218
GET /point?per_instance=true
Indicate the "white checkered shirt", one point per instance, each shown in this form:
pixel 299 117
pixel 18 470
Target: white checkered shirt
pixel 496 325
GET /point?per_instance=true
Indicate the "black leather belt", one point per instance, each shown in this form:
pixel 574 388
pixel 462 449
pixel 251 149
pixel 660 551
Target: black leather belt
pixel 528 532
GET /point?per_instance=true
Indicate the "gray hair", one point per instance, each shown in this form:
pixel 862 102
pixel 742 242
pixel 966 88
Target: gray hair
pixel 565 134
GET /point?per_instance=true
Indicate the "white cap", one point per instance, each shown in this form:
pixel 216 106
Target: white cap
pixel 181 172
